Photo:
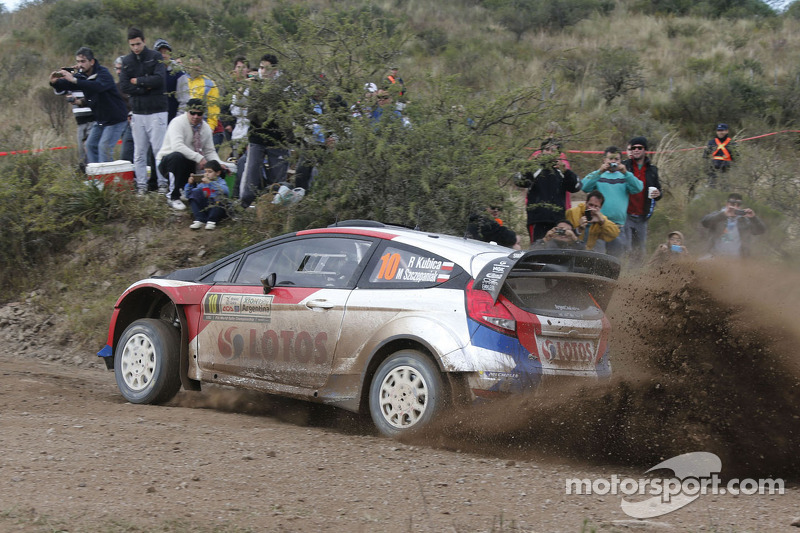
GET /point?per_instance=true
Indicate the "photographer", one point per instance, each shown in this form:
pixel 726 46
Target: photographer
pixel 547 190
pixel 731 229
pixel 561 236
pixel 101 95
pixel 617 184
pixel 592 225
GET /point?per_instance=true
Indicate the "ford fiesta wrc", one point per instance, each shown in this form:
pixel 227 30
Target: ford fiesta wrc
pixel 372 318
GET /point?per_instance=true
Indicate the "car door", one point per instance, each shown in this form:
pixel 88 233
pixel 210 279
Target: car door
pixel 286 334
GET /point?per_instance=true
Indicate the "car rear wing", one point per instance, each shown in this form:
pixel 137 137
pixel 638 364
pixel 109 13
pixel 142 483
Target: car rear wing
pixel 599 268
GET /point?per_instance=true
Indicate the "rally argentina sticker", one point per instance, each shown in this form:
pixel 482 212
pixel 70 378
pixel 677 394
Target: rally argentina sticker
pixel 238 307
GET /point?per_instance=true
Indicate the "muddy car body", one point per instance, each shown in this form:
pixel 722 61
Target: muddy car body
pixel 368 317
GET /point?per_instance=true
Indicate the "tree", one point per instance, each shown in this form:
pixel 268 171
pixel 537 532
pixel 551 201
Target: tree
pixel 619 72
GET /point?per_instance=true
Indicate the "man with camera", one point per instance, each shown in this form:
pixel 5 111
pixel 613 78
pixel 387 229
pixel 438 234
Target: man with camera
pixel 590 224
pixel 561 236
pixel 617 184
pixel 547 190
pixel 731 229
pixel 101 95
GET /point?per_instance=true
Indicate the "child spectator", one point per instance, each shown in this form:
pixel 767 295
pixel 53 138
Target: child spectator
pixel 207 198
pixel 672 250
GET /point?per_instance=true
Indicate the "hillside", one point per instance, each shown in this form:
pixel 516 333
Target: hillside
pixel 616 71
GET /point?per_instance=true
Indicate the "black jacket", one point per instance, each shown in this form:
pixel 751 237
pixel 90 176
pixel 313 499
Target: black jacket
pixel 547 193
pixel 148 95
pixel 650 180
pixel 484 228
pixel 100 93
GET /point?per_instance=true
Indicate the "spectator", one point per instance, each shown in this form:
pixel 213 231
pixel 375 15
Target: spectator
pixel 488 227
pixel 317 139
pixel 174 73
pixel 195 84
pixel 617 184
pixel 126 152
pixel 187 147
pixel 238 107
pixel 84 120
pixel 208 196
pixel 143 78
pixel 383 98
pixel 721 150
pixel 393 78
pixel 670 251
pixel 731 229
pixel 594 228
pixel 101 95
pixel 640 204
pixel 547 191
pixel 266 139
pixel 561 236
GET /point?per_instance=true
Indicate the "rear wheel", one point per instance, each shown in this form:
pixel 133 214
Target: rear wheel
pixel 406 393
pixel 147 362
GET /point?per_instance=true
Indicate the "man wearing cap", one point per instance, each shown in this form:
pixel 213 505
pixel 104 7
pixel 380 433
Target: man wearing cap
pixel 187 146
pixel 143 78
pixel 174 71
pixel 721 150
pixel 640 204
pixel 731 229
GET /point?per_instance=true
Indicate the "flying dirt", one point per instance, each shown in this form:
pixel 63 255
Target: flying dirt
pixel 705 359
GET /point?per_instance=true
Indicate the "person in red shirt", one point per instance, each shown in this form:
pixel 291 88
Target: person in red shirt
pixel 642 204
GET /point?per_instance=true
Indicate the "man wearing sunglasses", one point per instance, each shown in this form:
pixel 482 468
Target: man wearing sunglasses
pixel 187 146
pixel 731 229
pixel 641 204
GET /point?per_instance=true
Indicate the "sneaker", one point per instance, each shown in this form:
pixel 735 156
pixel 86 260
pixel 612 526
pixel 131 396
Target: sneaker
pixel 162 189
pixel 211 225
pixel 141 192
pixel 196 225
pixel 176 204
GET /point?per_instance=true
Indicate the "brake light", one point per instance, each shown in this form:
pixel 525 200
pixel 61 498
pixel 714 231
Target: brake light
pixel 482 308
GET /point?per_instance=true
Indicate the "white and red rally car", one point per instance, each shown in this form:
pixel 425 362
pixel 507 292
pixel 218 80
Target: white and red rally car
pixel 368 317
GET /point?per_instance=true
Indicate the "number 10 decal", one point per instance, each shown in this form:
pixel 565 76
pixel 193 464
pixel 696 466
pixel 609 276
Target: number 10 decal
pixel 389 265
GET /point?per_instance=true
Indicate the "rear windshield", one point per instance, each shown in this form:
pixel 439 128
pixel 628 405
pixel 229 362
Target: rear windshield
pixel 558 296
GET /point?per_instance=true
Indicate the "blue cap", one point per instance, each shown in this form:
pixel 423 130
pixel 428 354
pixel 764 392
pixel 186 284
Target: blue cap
pixel 722 127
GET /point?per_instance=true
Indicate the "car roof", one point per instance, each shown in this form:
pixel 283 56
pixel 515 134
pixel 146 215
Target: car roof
pixel 470 254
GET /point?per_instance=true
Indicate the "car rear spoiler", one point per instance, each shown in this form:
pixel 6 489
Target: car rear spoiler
pixel 576 264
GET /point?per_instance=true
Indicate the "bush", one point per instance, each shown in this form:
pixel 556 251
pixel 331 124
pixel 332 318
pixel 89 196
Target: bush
pixel 618 72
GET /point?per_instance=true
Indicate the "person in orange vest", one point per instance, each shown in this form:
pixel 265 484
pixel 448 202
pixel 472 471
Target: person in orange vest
pixel 721 151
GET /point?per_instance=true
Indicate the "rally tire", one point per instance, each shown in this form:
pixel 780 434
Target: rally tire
pixel 147 362
pixel 406 393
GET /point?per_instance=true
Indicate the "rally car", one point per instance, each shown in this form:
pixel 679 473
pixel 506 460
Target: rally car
pixel 370 317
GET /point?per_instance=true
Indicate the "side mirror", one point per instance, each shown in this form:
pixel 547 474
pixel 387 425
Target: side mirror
pixel 268 282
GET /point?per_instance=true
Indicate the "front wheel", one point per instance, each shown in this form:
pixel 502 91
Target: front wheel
pixel 406 393
pixel 147 362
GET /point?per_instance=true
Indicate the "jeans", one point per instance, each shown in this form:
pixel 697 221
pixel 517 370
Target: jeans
pixel 83 134
pixel 178 168
pixel 618 246
pixel 148 131
pixel 102 140
pixel 251 181
pixel 203 210
pixel 127 143
pixel 636 238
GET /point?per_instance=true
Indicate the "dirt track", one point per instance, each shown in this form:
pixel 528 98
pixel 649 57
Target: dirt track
pixel 77 457
pixel 706 364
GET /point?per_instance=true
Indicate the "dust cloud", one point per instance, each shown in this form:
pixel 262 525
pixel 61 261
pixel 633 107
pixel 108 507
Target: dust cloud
pixel 704 359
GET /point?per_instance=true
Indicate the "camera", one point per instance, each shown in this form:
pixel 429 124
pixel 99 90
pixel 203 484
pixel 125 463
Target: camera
pixel 71 99
pixel 68 69
pixel 560 231
pixel 613 166
pixel 739 212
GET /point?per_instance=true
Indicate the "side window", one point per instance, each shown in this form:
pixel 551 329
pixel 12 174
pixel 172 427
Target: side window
pixel 313 262
pixel 409 268
pixel 221 275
